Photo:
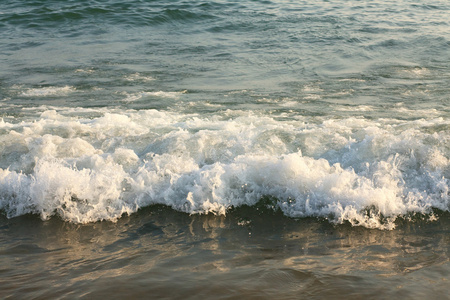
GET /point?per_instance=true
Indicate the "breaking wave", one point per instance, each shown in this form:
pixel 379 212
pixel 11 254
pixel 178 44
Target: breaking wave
pixel 87 165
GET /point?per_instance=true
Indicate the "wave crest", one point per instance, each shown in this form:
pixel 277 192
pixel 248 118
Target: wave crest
pixel 85 170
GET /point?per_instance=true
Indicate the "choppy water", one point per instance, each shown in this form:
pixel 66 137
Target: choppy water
pixel 321 120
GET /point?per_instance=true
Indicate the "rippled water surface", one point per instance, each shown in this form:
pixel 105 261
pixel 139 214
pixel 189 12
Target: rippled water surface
pixel 161 253
pixel 257 149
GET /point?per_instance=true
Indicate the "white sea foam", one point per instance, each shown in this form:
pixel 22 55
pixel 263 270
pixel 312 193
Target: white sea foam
pixel 415 72
pixel 411 112
pixel 351 80
pixel 136 96
pixel 311 88
pixel 47 91
pixel 98 168
pixel 86 71
pixel 355 108
pixel 139 77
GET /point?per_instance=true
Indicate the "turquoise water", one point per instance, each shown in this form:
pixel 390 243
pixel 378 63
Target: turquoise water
pixel 293 128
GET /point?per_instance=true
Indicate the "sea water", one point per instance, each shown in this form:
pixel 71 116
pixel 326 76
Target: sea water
pixel 266 149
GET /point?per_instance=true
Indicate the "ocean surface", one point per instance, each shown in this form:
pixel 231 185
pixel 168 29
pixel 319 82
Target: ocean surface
pixel 225 149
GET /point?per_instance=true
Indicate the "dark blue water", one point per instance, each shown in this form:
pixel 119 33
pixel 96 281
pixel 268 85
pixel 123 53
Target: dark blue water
pixel 253 149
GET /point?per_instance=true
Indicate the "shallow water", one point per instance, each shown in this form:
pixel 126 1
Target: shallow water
pixel 160 253
pixel 222 148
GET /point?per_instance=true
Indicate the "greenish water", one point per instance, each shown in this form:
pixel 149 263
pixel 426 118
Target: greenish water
pixel 224 149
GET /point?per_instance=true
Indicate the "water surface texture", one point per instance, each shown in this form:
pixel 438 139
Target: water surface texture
pixel 257 149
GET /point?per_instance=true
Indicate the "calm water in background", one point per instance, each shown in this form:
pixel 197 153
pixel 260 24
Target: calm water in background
pixel 257 149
